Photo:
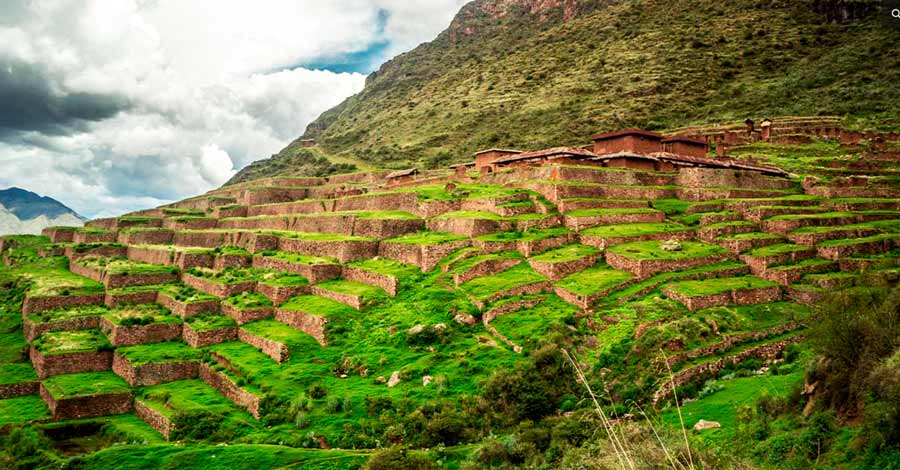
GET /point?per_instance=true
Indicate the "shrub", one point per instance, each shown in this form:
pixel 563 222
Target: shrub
pixel 398 458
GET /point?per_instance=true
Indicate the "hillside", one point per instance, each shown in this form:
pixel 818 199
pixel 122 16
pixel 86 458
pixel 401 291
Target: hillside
pixel 530 74
pixel 24 212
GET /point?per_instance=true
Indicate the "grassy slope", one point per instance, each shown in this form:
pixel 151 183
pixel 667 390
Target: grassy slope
pixel 520 82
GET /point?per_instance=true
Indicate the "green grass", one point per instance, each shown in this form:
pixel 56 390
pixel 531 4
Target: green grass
pixel 751 236
pixel 855 241
pixel 466 264
pixel 17 373
pixel 566 253
pixel 181 396
pixel 386 266
pixel 249 300
pixel 23 410
pixel 426 238
pixel 777 249
pixel 185 294
pixel 603 212
pixel 483 288
pixel 719 285
pixel 325 237
pixel 130 315
pixel 671 206
pixel 483 215
pixel 123 266
pixel 532 235
pixel 367 292
pixel 633 230
pixel 299 259
pixel 277 331
pixel 69 342
pixel 664 277
pixel 283 279
pixel 650 250
pixel 59 314
pixel 803 263
pixel 158 352
pixel 209 322
pixel 593 280
pixel 51 277
pixel 85 384
pixel 530 326
pixel 315 305
pixel 226 276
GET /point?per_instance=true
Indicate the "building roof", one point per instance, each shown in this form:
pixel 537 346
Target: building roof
pixel 684 139
pixel 498 151
pixel 624 132
pixel 462 164
pixel 548 153
pixel 400 173
pixel 718 163
pixel 610 156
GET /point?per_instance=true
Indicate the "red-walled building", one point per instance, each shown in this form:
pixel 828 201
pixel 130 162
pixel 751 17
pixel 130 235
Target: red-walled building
pixel 484 160
pixel 628 140
pixel 685 146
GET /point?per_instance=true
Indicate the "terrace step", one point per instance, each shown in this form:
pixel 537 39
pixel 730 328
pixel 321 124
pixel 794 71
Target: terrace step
pixel 560 262
pixel 742 242
pixel 873 245
pixel 567 205
pixel 148 365
pixel 644 259
pixel 526 243
pixel 761 259
pixel 812 236
pixel 86 395
pixel 759 213
pixel 228 386
pixel 747 290
pixel 352 294
pixel 521 279
pixel 482 265
pixel 583 218
pixel 790 273
pixel 712 218
pixel 603 237
pixel 425 250
pixel 831 281
pixel 310 314
pixel 584 288
pixel 275 339
pixel 710 233
pixel 315 269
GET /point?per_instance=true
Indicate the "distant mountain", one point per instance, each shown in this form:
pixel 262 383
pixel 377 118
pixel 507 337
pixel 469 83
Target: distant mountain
pixel 533 74
pixel 24 212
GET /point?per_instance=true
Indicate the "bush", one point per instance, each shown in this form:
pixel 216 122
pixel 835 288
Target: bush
pixel 398 458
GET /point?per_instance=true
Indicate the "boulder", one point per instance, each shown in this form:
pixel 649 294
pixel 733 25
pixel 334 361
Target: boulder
pixel 704 424
pixel 465 319
pixel 427 380
pixel 394 380
pixel 671 245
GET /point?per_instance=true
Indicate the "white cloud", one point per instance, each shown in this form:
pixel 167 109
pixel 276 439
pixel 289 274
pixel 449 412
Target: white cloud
pixel 139 102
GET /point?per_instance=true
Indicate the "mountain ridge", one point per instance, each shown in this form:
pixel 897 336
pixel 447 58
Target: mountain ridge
pixel 540 73
pixel 26 212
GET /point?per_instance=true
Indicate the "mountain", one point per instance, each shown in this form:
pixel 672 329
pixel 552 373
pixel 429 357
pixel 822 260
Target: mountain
pixel 536 73
pixel 24 212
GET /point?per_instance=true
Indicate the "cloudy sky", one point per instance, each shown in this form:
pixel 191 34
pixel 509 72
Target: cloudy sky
pixel 117 105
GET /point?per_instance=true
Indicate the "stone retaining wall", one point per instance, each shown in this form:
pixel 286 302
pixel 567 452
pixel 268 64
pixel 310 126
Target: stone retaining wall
pixel 485 268
pixel 140 334
pixel 426 257
pixel 313 273
pixel 388 283
pixel 735 297
pixel 768 352
pixel 874 247
pixel 786 277
pixel 469 227
pixel 528 289
pixel 643 269
pixel 154 419
pixel 187 310
pixel 137 298
pixel 109 251
pixel 39 304
pixel 189 224
pixel 729 178
pixel 71 363
pixel 279 352
pixel 813 239
pixel 344 251
pixel 559 270
pixel 225 212
pixel 738 246
pixel 20 389
pixel 575 204
pixel 217 289
pixel 717 218
pixel 606 242
pixel 313 325
pixel 149 237
pixel 92 237
pixel 577 223
pixel 202 339
pixel 231 390
pixel 280 294
pixel 759 264
pixel 155 373
pixel 32 330
pixel 351 300
pixel 60 234
pixel 246 315
pixel 730 341
pixel 88 406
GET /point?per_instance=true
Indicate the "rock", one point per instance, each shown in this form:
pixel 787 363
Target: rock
pixel 427 380
pixel 671 245
pixel 394 380
pixel 416 330
pixel 440 327
pixel 704 424
pixel 381 379
pixel 465 319
pixel 392 330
